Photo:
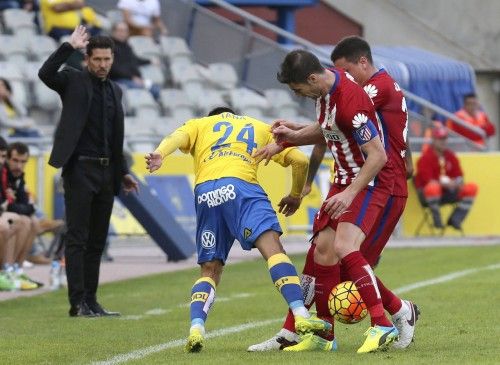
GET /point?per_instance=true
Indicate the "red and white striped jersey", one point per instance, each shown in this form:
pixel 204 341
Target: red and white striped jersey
pixel 347 118
pixel 391 111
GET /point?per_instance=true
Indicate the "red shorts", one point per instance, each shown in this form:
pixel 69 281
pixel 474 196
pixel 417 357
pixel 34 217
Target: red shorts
pixel 372 246
pixel 363 211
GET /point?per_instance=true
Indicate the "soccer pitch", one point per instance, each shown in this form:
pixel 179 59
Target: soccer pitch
pixel 456 289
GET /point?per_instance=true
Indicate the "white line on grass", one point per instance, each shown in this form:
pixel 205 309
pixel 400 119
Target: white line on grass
pixel 444 278
pixel 139 354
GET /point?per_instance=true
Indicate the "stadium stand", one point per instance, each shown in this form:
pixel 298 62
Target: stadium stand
pixel 193 81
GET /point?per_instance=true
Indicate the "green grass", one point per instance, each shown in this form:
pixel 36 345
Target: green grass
pixel 459 322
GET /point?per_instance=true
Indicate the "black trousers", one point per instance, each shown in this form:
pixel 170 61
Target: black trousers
pixel 88 198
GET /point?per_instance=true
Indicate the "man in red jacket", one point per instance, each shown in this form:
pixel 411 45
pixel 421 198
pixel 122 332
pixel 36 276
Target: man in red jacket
pixel 472 114
pixel 439 180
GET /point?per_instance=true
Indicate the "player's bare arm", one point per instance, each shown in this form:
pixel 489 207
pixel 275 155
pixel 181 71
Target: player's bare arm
pixel 317 155
pixel 375 160
pixel 310 134
pixel 299 163
pixel 292 125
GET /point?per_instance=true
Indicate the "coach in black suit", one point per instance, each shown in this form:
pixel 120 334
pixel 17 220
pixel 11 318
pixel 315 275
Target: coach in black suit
pixel 88 145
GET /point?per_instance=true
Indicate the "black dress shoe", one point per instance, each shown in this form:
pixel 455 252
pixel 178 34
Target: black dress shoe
pixel 100 311
pixel 81 310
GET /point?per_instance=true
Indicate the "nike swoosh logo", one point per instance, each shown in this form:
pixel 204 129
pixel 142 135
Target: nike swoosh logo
pixel 381 341
pixel 411 321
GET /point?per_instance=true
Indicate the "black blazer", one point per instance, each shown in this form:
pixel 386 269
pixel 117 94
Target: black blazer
pixel 75 89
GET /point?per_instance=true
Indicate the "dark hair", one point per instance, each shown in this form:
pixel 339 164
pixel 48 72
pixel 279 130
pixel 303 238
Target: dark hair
pixel 297 66
pixel 470 95
pixel 352 49
pixel 219 110
pixel 100 41
pixel 3 144
pixel 7 84
pixel 20 147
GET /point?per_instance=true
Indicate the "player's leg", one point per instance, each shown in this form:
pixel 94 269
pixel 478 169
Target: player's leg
pixel 327 276
pixel 286 336
pixel 258 227
pixel 213 242
pixel 404 313
pixel 347 242
pixel 286 280
pixel 316 275
pixel 202 298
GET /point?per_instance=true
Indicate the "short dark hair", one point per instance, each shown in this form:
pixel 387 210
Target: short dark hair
pixel 100 41
pixel 3 144
pixel 7 84
pixel 219 110
pixel 352 49
pixel 20 147
pixel 470 95
pixel 297 66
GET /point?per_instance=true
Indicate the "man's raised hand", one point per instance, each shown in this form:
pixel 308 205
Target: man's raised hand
pixel 79 38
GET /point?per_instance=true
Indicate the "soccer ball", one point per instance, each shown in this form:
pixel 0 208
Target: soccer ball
pixel 345 303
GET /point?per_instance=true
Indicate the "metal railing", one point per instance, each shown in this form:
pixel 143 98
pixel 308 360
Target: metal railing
pixel 325 58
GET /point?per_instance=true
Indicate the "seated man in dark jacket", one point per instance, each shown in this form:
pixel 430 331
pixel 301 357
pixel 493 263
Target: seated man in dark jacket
pixel 125 69
pixel 17 211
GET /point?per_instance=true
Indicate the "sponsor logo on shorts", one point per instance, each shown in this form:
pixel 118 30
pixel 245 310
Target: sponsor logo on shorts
pixel 247 232
pixel 207 239
pixel 217 197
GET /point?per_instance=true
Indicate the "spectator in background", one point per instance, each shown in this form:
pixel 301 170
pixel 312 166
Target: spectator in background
pixel 16 236
pixel 20 202
pixel 125 69
pixel 16 4
pixel 439 180
pixel 61 17
pixel 142 16
pixel 473 115
pixel 13 115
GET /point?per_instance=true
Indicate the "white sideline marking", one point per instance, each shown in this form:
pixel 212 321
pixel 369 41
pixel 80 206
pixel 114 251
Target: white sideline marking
pixel 157 311
pixel 138 354
pixel 444 278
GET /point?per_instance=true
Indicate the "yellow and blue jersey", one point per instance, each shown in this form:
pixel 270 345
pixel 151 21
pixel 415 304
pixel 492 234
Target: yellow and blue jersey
pixel 222 146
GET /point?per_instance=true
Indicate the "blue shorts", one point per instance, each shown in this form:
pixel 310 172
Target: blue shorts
pixel 229 209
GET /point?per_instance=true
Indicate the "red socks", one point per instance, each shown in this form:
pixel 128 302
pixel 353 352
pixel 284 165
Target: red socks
pixel 362 275
pixel 390 301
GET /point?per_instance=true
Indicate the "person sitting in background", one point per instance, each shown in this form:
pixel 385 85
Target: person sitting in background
pixel 61 17
pixel 439 180
pixel 142 16
pixel 19 200
pixel 473 115
pixel 15 238
pixel 125 69
pixel 13 115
